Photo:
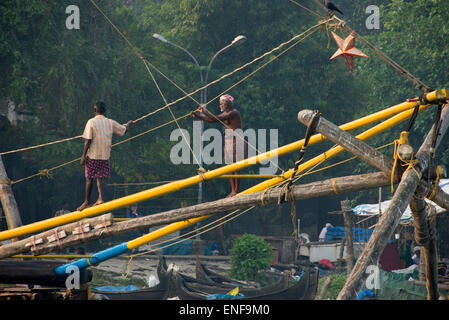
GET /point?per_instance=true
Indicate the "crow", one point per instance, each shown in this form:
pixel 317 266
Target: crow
pixel 332 7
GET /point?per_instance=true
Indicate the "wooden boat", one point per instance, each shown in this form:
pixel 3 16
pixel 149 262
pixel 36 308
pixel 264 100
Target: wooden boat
pixel 206 275
pixel 158 292
pixel 300 290
pixel 280 282
pixel 38 272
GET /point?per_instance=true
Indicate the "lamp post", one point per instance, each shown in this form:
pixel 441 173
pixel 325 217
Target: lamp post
pixel 237 40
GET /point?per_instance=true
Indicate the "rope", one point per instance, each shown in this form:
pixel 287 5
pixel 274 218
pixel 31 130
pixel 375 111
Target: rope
pixel 192 234
pixel 305 8
pixel 402 71
pixel 311 126
pixel 114 145
pixel 286 191
pixel 39 146
pixel 146 63
pixel 409 163
pixel 436 183
pixel 305 34
pixel 334 185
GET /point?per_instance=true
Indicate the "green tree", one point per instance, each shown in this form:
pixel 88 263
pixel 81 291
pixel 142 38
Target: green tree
pixel 250 255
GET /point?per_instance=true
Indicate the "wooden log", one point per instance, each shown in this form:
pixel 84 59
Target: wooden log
pixel 271 196
pixel 347 217
pixel 366 152
pixel 389 220
pixel 357 147
pixel 56 239
pixel 9 204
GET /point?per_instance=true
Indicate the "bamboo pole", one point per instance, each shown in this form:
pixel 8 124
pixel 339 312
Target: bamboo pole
pixel 177 185
pixel 389 220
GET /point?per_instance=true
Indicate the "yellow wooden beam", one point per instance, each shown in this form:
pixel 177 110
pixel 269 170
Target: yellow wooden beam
pixel 177 185
pixel 51 256
pixel 272 182
pixel 248 176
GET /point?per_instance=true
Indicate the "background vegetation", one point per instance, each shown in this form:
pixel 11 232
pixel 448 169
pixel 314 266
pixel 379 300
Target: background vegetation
pixel 56 74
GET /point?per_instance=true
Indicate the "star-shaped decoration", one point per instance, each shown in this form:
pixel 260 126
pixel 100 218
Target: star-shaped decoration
pixel 347 50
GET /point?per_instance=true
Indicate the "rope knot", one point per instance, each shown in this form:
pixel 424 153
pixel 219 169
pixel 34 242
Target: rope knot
pixel 45 173
pixel 201 171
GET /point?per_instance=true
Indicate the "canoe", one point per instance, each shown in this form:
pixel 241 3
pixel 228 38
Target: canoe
pixel 158 292
pixel 204 274
pixel 298 291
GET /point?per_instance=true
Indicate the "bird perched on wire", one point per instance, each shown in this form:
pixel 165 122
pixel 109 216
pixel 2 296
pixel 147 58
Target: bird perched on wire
pixel 330 6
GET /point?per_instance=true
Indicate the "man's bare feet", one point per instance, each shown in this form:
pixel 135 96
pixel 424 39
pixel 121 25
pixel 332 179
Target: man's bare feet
pixel 83 206
pixel 231 194
pixel 98 202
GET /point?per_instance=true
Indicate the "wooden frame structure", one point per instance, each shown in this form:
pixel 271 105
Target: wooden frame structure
pixel 411 189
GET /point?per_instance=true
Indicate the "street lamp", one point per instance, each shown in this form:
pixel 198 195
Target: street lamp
pixel 237 40
pixel 162 38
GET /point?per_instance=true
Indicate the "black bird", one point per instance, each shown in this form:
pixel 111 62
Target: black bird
pixel 332 7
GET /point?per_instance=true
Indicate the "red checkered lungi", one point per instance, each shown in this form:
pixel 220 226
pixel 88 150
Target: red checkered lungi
pixel 96 168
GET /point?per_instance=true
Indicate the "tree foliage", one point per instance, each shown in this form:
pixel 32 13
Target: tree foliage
pixel 250 255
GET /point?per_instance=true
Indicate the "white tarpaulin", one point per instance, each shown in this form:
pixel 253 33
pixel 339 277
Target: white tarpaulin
pixel 373 209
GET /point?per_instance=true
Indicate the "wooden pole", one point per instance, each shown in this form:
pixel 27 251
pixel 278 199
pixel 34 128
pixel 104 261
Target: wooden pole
pixel 327 282
pixel 424 224
pixel 8 201
pixel 389 220
pixel 347 216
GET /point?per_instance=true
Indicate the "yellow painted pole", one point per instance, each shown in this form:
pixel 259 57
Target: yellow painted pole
pixel 335 150
pixel 51 256
pixel 177 185
pixel 248 176
pixel 271 182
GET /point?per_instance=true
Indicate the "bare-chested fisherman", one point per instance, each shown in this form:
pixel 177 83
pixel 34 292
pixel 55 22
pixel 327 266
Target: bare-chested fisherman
pixel 231 118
